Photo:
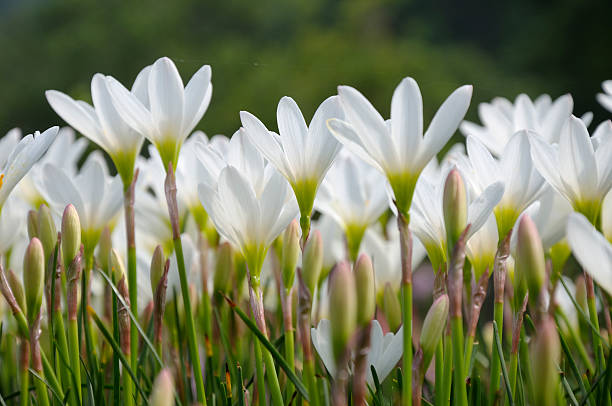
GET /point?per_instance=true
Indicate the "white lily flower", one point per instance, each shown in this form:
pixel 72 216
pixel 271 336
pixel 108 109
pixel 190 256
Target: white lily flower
pixel 501 119
pixel 385 254
pixel 96 195
pixel 65 153
pixel 165 111
pixel 385 350
pixel 103 123
pixel 355 196
pixel 578 168
pixel 515 169
pixel 302 154
pixel 16 164
pixel 427 216
pixel 249 205
pixel 591 249
pixel 605 98
pixel 397 147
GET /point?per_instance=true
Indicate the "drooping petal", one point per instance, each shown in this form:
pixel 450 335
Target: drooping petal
pixel 591 249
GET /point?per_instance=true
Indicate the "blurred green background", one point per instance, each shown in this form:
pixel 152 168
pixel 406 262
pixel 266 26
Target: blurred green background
pixel 262 50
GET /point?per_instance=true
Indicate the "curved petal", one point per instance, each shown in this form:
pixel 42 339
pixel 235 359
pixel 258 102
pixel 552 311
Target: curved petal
pixel 197 98
pixel 167 98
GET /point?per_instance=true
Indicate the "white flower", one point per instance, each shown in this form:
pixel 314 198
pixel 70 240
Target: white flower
pixel 165 111
pixel 249 207
pixel 16 164
pixel 385 254
pixel 301 153
pixel 578 168
pixel 397 147
pixel 385 350
pixel 515 169
pixel 354 195
pixel 427 217
pixel 102 123
pixel 501 119
pixel 551 217
pixel 12 229
pixel 591 249
pixel 96 196
pixel 65 153
pixel 334 246
pixel 605 98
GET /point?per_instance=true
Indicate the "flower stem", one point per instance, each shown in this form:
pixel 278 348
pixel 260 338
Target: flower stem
pixel 288 326
pixel 406 258
pixel 597 346
pixel 128 201
pixel 304 312
pixel 438 390
pixel 259 372
pixel 170 189
pixel 25 374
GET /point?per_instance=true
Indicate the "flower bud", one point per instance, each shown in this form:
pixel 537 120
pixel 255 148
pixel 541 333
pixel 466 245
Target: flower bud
pixel 47 232
pixel 157 267
pixel 71 234
pixel 454 207
pixel 545 354
pixel 530 266
pixel 163 390
pixel 224 267
pixel 17 289
pixel 33 277
pixel 433 328
pixel 32 224
pixel 116 265
pixel 104 249
pixel 291 253
pixel 312 261
pixel 391 308
pixel 342 308
pixel 365 288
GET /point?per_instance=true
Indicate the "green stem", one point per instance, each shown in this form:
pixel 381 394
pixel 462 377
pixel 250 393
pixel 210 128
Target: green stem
pixel 598 348
pixel 41 391
pixel 89 343
pixel 259 372
pixel 584 357
pixel 62 347
pixel 406 261
pixel 469 347
pixel 513 371
pixel 132 278
pixel 75 362
pixel 277 397
pixel 498 316
pixel 448 370
pixel 289 340
pixel 439 387
pixel 24 373
pixel 116 336
pixel 460 393
pixel 191 336
pixel 309 375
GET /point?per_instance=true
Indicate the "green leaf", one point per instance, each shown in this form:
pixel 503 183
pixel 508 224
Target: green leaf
pixel 266 343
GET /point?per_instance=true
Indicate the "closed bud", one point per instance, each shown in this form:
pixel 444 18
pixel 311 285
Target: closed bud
pixel 32 224
pixel 366 289
pixel 17 289
pixel 291 253
pixel 163 390
pixel 392 308
pixel 33 277
pixel 342 308
pixel 116 265
pixel 157 267
pixel 312 261
pixel 71 234
pixel 545 354
pixel 104 249
pixel 224 267
pixel 454 207
pixel 530 266
pixel 433 328
pixel 47 232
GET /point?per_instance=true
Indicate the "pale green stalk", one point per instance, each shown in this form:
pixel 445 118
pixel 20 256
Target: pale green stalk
pixel 24 397
pixel 259 372
pixel 439 383
pixel 598 348
pixel 128 201
pixel 406 258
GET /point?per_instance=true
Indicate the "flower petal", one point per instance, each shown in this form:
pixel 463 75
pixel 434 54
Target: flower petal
pixel 167 98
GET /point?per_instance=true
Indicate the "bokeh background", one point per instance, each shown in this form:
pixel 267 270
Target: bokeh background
pixel 262 50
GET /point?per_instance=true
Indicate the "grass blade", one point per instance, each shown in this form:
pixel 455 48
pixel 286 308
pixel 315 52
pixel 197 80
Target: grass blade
pixel 43 380
pixel 270 347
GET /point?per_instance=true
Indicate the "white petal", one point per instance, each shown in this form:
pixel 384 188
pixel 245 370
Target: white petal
pixel 546 159
pixel 407 118
pixel 576 152
pixel 591 249
pixel 481 208
pixel 293 131
pixel 445 123
pixel 556 117
pixel 345 133
pixel 321 146
pixel 197 98
pixel 167 98
pixel 132 110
